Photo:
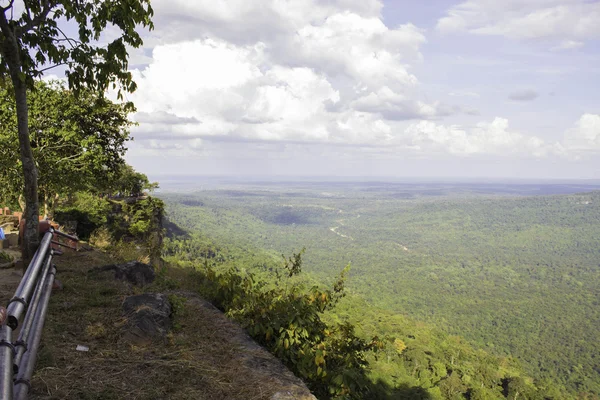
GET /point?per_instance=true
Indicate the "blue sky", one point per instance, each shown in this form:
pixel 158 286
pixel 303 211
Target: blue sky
pixel 476 88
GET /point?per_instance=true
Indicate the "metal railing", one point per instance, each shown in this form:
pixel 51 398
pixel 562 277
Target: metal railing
pixel 17 358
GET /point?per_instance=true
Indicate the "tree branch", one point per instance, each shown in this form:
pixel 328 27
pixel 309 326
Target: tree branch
pixel 68 39
pixel 36 21
pixel 52 66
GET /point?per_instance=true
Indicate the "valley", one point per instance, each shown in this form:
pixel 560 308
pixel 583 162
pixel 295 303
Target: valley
pixel 512 269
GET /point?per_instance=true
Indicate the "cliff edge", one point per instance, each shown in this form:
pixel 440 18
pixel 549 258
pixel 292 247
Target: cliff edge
pixel 88 353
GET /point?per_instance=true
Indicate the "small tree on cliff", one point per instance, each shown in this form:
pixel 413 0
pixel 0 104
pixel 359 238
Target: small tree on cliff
pixel 33 42
pixel 127 182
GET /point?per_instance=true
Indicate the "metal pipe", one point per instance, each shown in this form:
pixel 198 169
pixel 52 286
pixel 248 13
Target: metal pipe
pixel 23 382
pixel 21 343
pixel 66 236
pixel 64 245
pixel 19 301
pixel 6 363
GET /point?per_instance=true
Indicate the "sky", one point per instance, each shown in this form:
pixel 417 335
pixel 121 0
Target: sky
pixel 370 88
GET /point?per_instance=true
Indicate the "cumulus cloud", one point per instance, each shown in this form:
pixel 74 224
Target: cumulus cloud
pixel 362 48
pixel 398 106
pixel 333 73
pixel 568 21
pixel 585 135
pixel 274 73
pixel 524 95
pixel 485 138
pixel 246 22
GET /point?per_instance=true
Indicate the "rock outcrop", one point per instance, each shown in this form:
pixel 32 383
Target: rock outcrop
pixel 148 317
pixel 134 272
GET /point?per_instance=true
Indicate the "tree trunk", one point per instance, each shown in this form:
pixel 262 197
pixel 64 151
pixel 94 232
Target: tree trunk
pixel 31 236
pixel 10 52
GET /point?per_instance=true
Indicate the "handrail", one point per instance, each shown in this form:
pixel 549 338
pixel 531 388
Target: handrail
pixel 32 297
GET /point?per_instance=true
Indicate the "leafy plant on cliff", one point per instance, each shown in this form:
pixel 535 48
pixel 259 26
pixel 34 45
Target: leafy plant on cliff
pixel 287 318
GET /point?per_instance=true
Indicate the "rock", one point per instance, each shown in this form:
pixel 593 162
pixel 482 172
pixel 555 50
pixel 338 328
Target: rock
pixel 134 272
pixel 148 317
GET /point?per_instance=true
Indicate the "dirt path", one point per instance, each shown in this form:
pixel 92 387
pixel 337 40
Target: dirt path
pixel 342 224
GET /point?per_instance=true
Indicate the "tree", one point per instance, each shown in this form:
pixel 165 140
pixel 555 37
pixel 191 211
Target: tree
pixel 33 42
pixel 78 142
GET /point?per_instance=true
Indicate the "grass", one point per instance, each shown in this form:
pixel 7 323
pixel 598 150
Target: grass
pixel 203 357
pixel 5 258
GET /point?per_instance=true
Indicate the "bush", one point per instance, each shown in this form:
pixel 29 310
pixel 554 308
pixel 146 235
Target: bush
pixel 287 319
pixel 89 211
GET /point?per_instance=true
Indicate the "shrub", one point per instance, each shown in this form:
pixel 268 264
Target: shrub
pixel 287 319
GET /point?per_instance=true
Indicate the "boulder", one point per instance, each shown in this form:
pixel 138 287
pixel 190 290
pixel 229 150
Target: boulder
pixel 133 272
pixel 148 317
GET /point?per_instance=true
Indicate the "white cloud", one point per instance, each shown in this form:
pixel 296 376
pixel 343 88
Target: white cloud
pixel 244 22
pixel 585 135
pixel 186 97
pixel 485 138
pixel 334 71
pixel 568 21
pixel 304 72
pixel 398 106
pixel 362 48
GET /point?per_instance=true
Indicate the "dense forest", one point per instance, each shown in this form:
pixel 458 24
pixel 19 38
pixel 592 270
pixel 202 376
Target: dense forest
pixel 499 282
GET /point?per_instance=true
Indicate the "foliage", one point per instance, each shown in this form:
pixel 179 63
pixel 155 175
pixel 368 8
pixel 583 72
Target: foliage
pixel 78 141
pixel 414 365
pixel 287 319
pixel 32 42
pixel 5 258
pixel 87 210
pixel 138 221
pixel 140 218
pixel 42 43
pixel 127 182
pixel 512 275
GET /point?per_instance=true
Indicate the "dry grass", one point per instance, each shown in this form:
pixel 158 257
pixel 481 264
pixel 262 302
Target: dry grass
pixel 202 357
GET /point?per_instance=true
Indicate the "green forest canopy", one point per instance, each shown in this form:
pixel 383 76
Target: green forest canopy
pixel 516 276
